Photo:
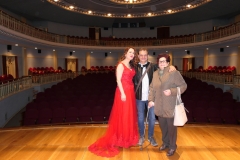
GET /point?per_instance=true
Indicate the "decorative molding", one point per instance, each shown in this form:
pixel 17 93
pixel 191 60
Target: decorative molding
pixel 88 11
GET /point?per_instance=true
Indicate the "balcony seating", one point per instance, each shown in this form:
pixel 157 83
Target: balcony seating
pixel 6 78
pixel 44 70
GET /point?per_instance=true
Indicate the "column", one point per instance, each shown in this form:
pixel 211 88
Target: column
pixel 55 61
pixel 24 61
pixel 97 33
pixel 87 63
pixel 205 59
pixel 238 61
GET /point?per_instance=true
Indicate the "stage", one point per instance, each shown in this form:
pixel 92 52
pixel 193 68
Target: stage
pixel 70 142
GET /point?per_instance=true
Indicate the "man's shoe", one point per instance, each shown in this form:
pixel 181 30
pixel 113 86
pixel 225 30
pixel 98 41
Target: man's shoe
pixel 163 147
pixel 141 141
pixel 170 152
pixel 153 141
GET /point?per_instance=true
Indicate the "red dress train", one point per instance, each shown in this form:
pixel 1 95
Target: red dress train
pixel 122 128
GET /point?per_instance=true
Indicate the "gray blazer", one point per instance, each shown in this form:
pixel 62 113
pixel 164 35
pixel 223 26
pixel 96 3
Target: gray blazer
pixel 164 105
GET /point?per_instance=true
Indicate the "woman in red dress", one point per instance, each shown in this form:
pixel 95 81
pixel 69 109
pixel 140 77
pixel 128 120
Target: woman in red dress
pixel 122 128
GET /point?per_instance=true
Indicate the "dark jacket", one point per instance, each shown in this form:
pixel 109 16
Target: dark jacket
pixel 138 75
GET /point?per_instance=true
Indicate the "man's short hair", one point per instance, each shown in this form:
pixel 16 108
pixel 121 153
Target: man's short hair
pixel 143 49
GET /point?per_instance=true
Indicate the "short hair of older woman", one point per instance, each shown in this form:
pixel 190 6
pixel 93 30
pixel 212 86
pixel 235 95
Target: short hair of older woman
pixel 168 59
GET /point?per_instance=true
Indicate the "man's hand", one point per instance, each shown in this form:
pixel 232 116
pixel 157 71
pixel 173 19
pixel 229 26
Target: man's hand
pixel 172 68
pixel 150 104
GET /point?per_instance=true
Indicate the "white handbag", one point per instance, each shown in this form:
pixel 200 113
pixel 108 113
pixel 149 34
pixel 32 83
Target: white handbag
pixel 180 117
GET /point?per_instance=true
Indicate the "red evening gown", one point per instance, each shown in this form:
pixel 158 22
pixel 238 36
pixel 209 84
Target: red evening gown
pixel 122 128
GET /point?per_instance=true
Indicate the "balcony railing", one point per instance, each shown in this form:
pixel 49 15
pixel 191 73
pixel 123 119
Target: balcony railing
pixel 48 78
pixel 12 87
pixel 16 25
pixel 214 77
pixel 236 81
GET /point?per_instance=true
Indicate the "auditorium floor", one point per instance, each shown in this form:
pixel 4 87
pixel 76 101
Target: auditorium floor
pixel 70 142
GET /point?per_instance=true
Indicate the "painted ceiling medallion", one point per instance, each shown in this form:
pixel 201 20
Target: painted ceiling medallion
pixel 130 1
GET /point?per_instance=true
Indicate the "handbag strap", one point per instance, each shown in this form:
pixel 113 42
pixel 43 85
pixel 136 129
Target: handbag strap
pixel 142 78
pixel 178 99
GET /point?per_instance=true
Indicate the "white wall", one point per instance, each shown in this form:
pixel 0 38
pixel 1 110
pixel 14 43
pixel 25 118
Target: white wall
pixel 43 59
pixel 129 32
pixel 65 53
pixel 63 29
pixel 178 56
pixel 98 58
pixel 183 29
pixel 1 66
pixel 11 105
pixel 226 58
pixel 191 28
pixel 236 94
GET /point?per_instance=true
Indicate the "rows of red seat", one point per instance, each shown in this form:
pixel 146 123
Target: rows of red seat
pixel 6 78
pixel 88 99
pixel 216 69
pixel 82 99
pixel 127 39
pixel 45 70
pixel 207 104
pixel 99 69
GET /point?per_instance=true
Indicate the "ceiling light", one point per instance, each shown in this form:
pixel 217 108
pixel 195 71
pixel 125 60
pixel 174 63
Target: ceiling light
pixel 35 47
pixel 73 51
pixel 130 3
pixel 129 15
pixel 186 50
pixel 109 14
pixel 166 51
pixel 53 49
pixel 16 44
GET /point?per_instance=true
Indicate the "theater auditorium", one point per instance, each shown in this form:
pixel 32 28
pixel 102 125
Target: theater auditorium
pixel 58 62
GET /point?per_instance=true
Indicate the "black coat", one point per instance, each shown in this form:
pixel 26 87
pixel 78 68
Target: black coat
pixel 138 76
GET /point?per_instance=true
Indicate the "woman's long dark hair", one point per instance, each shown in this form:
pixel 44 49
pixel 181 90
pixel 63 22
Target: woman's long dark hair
pixel 135 59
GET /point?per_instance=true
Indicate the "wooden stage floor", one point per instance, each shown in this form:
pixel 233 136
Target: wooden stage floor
pixel 70 142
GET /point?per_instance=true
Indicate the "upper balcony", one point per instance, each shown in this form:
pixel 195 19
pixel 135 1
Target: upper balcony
pixel 26 30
